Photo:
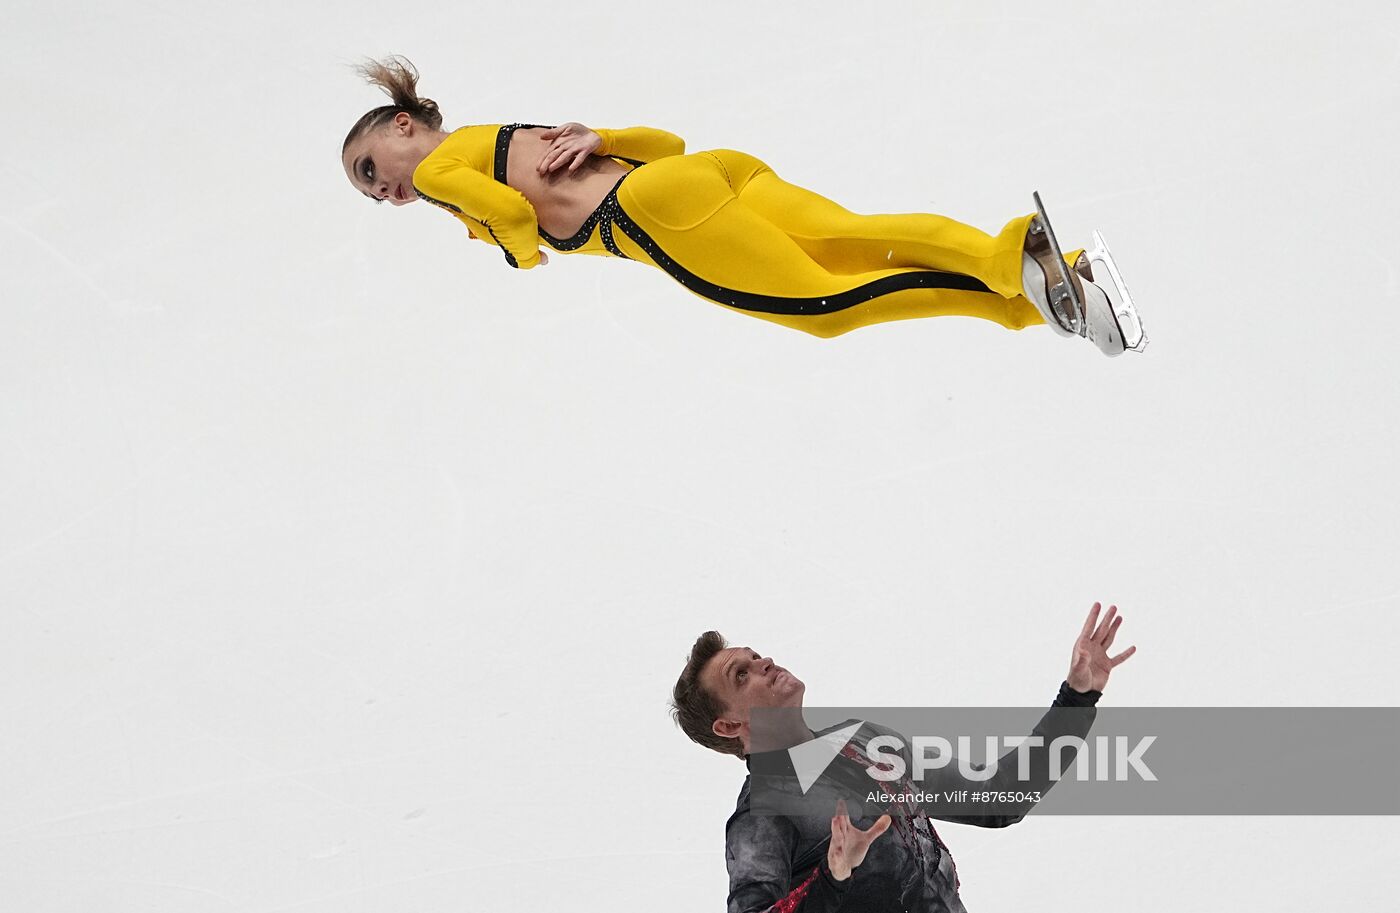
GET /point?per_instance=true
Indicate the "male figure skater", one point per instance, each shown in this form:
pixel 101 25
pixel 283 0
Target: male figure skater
pixel 806 864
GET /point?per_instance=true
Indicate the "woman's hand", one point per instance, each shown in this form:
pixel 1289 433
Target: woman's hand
pixel 572 145
pixel 544 259
pixel 1089 663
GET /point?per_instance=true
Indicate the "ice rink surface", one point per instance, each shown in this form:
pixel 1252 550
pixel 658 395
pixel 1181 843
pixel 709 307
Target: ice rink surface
pixel 344 568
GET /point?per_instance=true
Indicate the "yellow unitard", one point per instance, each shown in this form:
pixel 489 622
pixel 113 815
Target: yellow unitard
pixel 730 230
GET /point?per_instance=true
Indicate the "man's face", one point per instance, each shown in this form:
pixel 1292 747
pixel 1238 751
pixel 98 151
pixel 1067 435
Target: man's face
pixel 743 680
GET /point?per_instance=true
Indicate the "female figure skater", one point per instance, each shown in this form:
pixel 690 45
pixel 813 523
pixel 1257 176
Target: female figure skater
pixel 724 225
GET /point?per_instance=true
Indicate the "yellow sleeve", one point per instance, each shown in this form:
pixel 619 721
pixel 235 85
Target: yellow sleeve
pixel 502 210
pixel 640 144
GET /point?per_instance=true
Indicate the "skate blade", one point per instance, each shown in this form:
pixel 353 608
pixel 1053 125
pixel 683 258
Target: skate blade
pixel 1124 312
pixel 1078 318
pixel 1101 324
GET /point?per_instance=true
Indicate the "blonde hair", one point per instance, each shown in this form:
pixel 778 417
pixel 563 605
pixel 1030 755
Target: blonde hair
pixel 398 78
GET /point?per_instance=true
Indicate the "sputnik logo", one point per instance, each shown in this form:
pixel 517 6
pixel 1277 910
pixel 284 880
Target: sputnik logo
pixel 811 759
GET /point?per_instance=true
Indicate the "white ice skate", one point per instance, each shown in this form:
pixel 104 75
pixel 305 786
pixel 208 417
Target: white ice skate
pixel 1036 285
pixel 1094 303
pixel 1054 296
pixel 1100 327
pixel 1103 272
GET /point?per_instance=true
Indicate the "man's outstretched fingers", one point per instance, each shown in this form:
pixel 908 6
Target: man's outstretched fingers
pixel 1088 629
pixel 1105 623
pixel 1112 632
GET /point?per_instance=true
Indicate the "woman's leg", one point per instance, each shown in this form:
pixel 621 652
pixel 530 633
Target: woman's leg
pixel 729 230
pixel 848 242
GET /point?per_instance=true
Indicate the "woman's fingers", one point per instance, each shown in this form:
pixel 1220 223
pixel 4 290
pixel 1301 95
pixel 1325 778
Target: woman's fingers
pixel 567 140
pixel 557 155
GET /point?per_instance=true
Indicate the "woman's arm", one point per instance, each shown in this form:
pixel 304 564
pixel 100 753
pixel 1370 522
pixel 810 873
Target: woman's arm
pixel 572 143
pixel 640 144
pixel 506 217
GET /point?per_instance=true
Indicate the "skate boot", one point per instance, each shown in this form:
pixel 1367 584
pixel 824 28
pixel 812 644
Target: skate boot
pixel 1102 271
pixel 1046 280
pixel 1100 326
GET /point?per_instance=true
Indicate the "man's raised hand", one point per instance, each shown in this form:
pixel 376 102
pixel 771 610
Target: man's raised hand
pixel 1090 664
pixel 849 843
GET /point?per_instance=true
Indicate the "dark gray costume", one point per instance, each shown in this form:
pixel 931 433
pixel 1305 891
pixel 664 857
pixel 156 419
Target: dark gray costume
pixel 778 862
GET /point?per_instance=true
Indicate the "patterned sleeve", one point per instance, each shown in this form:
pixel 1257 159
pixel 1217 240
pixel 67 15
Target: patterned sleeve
pixel 639 145
pixel 500 209
pixel 1071 714
pixel 759 853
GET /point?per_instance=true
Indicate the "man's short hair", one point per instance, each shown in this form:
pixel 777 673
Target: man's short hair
pixel 694 708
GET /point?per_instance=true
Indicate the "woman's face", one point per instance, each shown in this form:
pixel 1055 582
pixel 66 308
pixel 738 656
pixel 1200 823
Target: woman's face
pixel 380 163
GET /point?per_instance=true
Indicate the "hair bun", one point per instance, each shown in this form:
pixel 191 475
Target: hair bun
pixel 398 79
pixel 428 113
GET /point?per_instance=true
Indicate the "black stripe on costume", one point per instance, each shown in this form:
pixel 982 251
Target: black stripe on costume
pixel 436 202
pixel 503 135
pixel 510 258
pixel 773 304
pixel 604 215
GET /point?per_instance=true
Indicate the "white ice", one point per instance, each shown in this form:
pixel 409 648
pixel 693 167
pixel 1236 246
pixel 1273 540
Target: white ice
pixel 344 568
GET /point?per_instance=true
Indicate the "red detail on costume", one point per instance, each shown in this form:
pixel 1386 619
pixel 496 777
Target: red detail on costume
pixel 912 811
pixel 789 903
